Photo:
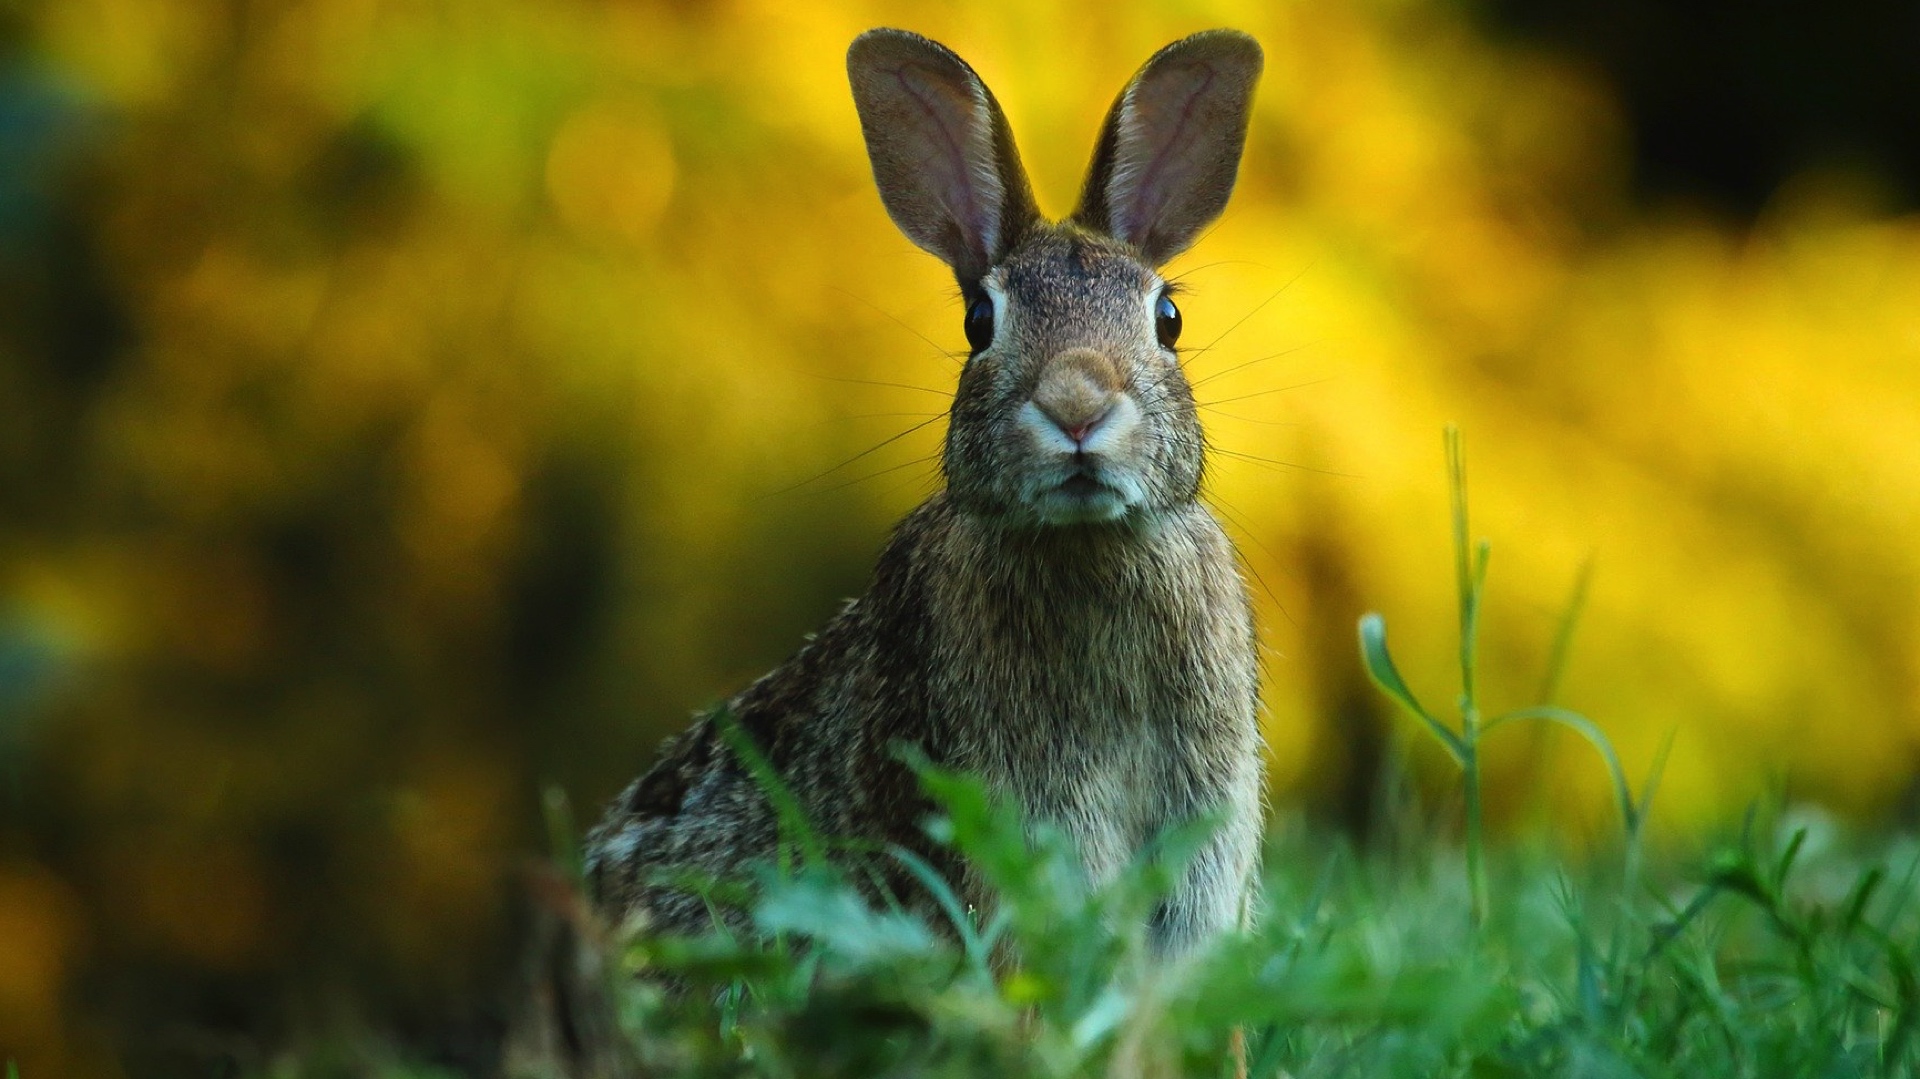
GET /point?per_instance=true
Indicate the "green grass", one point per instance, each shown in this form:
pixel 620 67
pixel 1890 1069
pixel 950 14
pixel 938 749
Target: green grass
pixel 1785 948
pixel 1788 951
pixel 1463 742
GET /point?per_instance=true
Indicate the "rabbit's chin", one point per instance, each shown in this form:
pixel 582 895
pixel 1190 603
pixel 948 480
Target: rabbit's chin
pixel 1082 498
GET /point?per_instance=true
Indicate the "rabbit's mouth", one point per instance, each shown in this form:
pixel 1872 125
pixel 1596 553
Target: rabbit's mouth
pixel 1084 496
pixel 1083 485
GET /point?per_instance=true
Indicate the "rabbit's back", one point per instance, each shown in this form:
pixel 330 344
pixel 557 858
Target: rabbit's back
pixel 828 721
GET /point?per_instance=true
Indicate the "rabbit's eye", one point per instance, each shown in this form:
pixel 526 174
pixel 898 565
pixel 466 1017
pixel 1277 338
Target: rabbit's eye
pixel 979 323
pixel 1166 321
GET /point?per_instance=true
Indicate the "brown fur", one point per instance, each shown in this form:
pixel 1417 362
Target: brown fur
pixel 1064 620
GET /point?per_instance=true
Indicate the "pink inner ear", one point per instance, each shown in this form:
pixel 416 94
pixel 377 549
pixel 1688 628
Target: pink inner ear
pixel 953 132
pixel 1159 129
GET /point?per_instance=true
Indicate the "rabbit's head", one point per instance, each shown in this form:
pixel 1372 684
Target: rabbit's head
pixel 1072 407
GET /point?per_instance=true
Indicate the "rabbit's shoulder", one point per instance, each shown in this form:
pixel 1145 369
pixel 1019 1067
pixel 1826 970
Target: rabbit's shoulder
pixel 684 759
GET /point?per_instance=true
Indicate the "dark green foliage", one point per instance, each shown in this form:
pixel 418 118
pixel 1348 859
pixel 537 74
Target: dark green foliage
pixel 1787 951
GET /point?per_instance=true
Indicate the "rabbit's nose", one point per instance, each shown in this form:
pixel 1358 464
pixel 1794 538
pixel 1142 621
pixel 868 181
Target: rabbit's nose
pixel 1078 388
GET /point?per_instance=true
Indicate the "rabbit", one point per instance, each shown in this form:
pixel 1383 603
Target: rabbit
pixel 1065 619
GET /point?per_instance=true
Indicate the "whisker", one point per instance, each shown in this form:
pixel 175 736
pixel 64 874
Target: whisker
pixel 863 453
pixel 945 353
pixel 875 416
pixel 929 474
pixel 1240 523
pixel 1263 303
pixel 1244 366
pixel 1263 393
pixel 1154 387
pixel 881 472
pixel 1280 466
pixel 1250 419
pixel 1207 446
pixel 1207 233
pixel 1184 274
pixel 889 385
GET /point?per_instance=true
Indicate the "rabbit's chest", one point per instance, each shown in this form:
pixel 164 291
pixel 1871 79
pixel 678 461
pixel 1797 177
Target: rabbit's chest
pixel 1113 715
pixel 1123 747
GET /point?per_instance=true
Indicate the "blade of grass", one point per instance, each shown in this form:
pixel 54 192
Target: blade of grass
pixel 1380 667
pixel 1470 563
pixel 795 829
pixel 1462 556
pixel 1655 773
pixel 950 905
pixel 1563 634
pixel 1586 728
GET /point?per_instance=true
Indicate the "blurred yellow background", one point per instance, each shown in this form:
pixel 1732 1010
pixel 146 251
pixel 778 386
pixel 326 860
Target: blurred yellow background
pixel 407 405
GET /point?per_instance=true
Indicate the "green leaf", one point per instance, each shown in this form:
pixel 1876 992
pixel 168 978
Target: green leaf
pixel 948 901
pixel 1586 728
pixel 794 826
pixel 1863 888
pixel 1787 857
pixel 1379 663
pixel 825 909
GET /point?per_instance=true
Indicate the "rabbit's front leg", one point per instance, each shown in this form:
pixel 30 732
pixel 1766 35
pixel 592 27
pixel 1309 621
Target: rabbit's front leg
pixel 1215 894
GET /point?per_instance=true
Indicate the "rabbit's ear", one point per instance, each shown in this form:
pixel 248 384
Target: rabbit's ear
pixel 942 154
pixel 1168 152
